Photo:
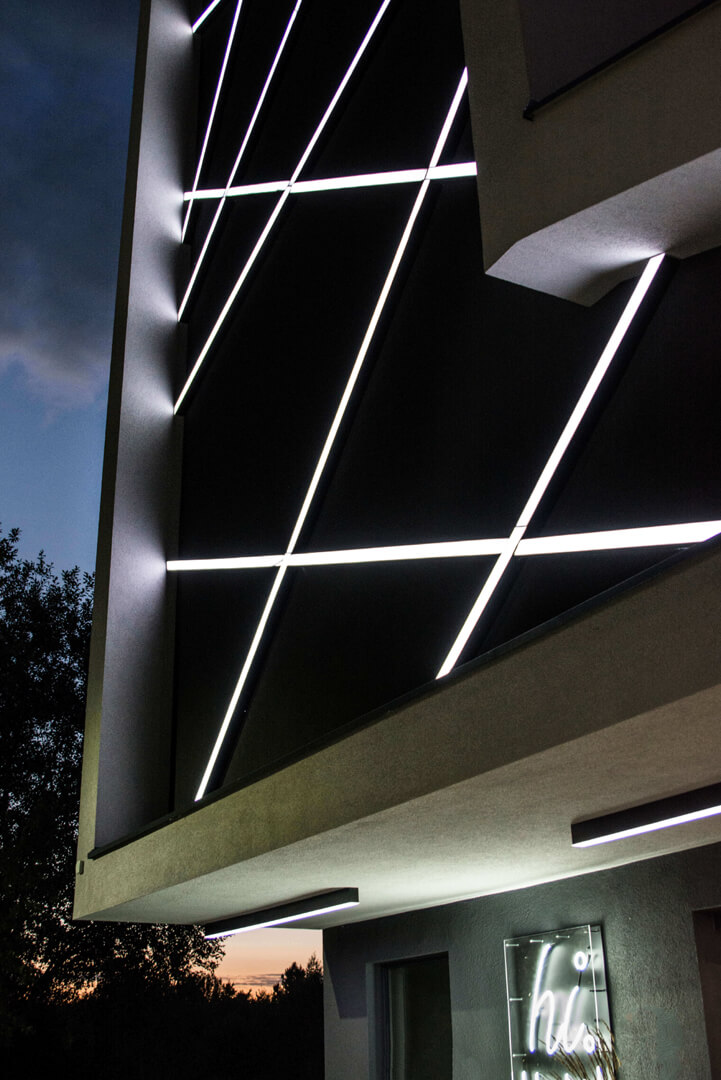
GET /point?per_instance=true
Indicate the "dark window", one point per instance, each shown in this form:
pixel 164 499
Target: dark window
pixel 707 926
pixel 418 1020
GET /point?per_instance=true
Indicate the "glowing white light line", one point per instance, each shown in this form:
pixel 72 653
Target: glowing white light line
pixel 694 532
pixel 639 830
pixel 281 202
pixel 375 317
pixel 589 391
pixel 336 183
pixel 481 601
pixel 602 365
pixel 282 921
pixel 335 426
pixel 235 562
pixel 612 540
pixel 344 557
pixel 259 631
pixel 267 187
pixel 229 302
pixel 239 156
pixel 211 118
pixel 201 18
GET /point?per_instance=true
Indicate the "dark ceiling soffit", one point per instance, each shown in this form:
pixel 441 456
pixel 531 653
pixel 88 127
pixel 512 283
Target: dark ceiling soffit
pixel 533 105
pixel 292 911
pixel 651 814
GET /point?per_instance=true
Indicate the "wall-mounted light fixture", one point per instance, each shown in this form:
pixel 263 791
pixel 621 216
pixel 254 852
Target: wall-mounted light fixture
pixel 690 806
pixel 293 911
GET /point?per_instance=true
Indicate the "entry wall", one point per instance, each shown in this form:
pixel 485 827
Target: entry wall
pixel 645 911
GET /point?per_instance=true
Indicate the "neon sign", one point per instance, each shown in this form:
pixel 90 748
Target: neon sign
pixel 557 1003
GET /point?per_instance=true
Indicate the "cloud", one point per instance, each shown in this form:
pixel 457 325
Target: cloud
pixel 65 80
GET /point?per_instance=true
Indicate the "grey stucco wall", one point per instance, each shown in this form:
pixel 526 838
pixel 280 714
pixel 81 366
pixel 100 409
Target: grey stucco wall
pixel 645 911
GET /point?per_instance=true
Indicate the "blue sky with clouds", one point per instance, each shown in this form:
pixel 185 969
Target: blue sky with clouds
pixel 66 70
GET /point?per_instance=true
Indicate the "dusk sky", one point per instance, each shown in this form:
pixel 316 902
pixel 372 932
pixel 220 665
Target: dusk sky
pixel 66 72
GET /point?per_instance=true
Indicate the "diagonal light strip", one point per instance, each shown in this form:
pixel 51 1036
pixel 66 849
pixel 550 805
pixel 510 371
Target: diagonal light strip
pixel 201 18
pixel 693 532
pixel 239 156
pixel 333 432
pixel 211 118
pixel 336 183
pixel 377 312
pixel 281 202
pixel 556 456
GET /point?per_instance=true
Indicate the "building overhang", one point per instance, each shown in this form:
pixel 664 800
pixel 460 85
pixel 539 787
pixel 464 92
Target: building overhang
pixel 622 166
pixel 469 788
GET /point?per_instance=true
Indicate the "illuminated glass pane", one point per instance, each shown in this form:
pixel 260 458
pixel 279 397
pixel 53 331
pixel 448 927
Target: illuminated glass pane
pixel 558 1004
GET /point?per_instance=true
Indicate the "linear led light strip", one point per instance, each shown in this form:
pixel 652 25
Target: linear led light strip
pixel 333 432
pixel 281 922
pixel 239 156
pixel 695 805
pixel 294 911
pixel 281 202
pixel 338 183
pixel 201 18
pixel 552 464
pixel 694 532
pixel 653 826
pixel 211 118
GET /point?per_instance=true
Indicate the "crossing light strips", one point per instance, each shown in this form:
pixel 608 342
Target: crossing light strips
pixel 503 548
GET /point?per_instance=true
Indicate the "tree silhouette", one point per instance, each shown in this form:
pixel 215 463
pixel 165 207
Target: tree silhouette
pixel 45 958
pixel 82 998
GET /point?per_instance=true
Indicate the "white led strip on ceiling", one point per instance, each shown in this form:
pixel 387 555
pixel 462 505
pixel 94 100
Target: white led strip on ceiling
pixel 281 202
pixel 333 431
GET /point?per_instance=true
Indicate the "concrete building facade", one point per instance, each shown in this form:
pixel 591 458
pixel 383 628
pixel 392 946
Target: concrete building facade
pixel 407 558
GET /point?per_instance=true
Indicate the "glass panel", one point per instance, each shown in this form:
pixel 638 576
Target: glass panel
pixel 349 639
pixel 558 1004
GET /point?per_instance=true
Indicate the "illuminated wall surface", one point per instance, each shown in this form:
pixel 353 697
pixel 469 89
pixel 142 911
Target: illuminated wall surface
pixel 566 40
pixel 354 381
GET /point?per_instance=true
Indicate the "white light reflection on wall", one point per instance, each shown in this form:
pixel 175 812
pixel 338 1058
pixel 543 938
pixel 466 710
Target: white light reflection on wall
pixel 557 1000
